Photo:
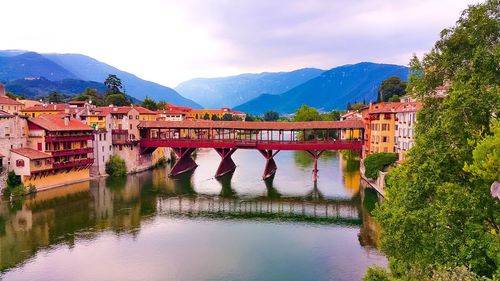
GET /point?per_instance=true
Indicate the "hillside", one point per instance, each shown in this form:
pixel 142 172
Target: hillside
pixel 17 65
pixel 87 68
pixel 31 65
pixel 332 89
pixel 40 87
pixel 235 90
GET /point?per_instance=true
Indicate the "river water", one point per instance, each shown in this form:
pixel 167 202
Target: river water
pixel 195 227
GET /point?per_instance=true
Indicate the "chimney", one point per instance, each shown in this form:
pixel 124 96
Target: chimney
pixel 2 90
pixel 66 120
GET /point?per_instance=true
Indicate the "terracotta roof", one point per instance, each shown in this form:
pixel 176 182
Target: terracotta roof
pixel 204 124
pixel 114 109
pixel 4 114
pixel 46 107
pixel 9 101
pixel 383 107
pixel 55 122
pixel 143 110
pixel 215 111
pixel 31 153
pixel 29 103
pixel 162 111
pixel 408 107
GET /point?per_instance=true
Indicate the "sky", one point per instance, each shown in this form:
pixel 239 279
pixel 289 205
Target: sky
pixel 170 41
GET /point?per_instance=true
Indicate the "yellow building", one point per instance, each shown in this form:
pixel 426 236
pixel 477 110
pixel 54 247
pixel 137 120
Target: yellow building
pixel 211 114
pixel 350 134
pixel 7 104
pixel 382 118
pixel 145 114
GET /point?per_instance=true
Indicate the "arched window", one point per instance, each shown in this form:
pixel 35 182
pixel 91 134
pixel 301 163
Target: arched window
pixel 19 163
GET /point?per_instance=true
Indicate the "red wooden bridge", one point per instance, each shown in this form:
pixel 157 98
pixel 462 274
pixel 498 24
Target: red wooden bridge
pixel 227 136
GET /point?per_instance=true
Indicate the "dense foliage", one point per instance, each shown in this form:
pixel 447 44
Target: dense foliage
pixel 377 162
pixel 13 185
pixel 391 87
pixel 438 211
pixel 271 116
pixel 116 167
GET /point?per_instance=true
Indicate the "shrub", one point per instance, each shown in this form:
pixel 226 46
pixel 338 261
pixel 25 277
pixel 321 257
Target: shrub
pixel 116 166
pixel 376 273
pixel 377 162
pixel 13 180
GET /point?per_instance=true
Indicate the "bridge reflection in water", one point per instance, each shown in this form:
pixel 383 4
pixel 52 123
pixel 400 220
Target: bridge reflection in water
pixel 84 211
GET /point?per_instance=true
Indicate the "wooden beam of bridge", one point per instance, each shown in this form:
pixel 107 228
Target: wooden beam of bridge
pixel 287 126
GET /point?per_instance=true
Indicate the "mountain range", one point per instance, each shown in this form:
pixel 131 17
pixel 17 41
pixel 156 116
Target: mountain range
pixel 80 70
pixel 332 89
pixel 235 90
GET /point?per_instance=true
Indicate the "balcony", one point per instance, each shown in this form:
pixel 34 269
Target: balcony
pixel 119 132
pixel 74 163
pixel 69 138
pixel 72 151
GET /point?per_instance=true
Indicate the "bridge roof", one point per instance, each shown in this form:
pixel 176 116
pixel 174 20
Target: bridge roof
pixel 190 124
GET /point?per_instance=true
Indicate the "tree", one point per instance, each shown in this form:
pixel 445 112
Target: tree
pixel 55 97
pixel 114 85
pixel 206 116
pixel 227 117
pixel 161 105
pixel 116 166
pixel 333 115
pixel 394 99
pixel 392 86
pixel 438 212
pixel 271 116
pixel 90 94
pixel 306 113
pixel 215 117
pixel 117 99
pixel 377 162
pixel 149 104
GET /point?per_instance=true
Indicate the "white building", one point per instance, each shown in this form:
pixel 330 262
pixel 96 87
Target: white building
pixel 406 116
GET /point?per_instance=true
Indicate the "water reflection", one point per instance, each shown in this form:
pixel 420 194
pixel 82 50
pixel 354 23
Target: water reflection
pixel 84 211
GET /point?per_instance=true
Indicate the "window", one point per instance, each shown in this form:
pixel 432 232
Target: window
pixel 130 126
pixel 103 149
pixel 385 139
pixel 131 117
pixel 47 162
pixel 38 163
pixel 100 137
pixel 104 136
pixel 110 148
pixel 137 117
pixel 20 163
pixel 120 147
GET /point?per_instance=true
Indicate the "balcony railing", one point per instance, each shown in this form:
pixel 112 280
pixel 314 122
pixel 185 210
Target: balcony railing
pixel 119 132
pixel 74 163
pixel 69 138
pixel 72 151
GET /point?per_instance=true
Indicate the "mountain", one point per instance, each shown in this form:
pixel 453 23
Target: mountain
pixel 333 89
pixel 234 90
pixel 17 65
pixel 87 68
pixel 31 64
pixel 40 87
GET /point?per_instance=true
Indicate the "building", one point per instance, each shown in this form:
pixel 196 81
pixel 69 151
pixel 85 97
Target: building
pixel 381 121
pixel 7 104
pixel 350 134
pixel 170 115
pixel 58 151
pixel 406 117
pixel 215 114
pixel 13 134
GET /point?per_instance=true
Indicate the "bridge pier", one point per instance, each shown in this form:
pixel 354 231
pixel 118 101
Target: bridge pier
pixel 271 167
pixel 184 161
pixel 315 154
pixel 227 164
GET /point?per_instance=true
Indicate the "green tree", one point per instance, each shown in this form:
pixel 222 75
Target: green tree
pixel 149 104
pixel 215 118
pixel 333 115
pixel 438 214
pixel 377 162
pixel 206 116
pixel 392 86
pixel 227 117
pixel 116 166
pixel 114 85
pixel 271 116
pixel 306 113
pixel 161 105
pixel 394 99
pixel 117 99
pixel 55 97
pixel 90 94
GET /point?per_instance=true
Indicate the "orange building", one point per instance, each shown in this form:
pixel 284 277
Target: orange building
pixel 58 152
pixel 381 121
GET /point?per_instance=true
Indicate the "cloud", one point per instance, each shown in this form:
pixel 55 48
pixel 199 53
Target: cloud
pixel 171 41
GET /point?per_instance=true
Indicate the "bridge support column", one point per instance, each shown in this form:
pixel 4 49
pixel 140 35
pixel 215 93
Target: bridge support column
pixel 315 154
pixel 271 167
pixel 227 164
pixel 184 161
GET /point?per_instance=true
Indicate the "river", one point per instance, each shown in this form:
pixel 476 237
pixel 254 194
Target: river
pixel 194 227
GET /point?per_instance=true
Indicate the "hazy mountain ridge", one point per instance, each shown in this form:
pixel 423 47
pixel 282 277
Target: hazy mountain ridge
pixel 234 90
pixel 40 87
pixel 16 65
pixel 332 89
